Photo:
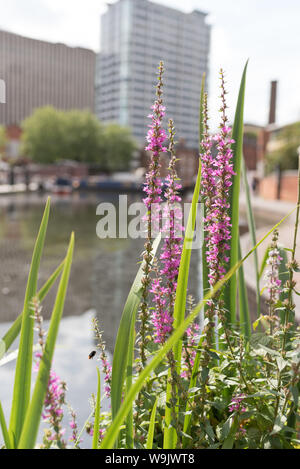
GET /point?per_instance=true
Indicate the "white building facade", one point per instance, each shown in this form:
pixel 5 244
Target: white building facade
pixel 135 36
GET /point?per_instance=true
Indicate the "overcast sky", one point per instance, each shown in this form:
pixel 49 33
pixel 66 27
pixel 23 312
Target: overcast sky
pixel 266 31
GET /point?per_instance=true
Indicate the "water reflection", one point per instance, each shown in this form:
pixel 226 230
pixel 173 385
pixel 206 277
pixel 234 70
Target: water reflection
pixel 102 271
pixel 71 364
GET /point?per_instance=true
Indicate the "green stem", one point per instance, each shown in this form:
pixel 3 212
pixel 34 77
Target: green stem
pixel 291 268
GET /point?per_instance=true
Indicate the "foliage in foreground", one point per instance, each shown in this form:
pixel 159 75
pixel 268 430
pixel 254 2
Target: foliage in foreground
pixel 231 383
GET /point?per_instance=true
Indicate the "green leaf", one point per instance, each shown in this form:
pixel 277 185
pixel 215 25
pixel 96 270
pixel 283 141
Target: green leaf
pixel 6 438
pixel 13 332
pixel 2 348
pixel 43 292
pixel 230 294
pixel 252 231
pixel 204 272
pixel 295 394
pixel 264 262
pixel 21 393
pixel 280 422
pixel 230 439
pixel 245 320
pixel 281 363
pixel 149 443
pixel 12 356
pixel 259 338
pixel 34 411
pixel 129 376
pixel 284 277
pixel 97 414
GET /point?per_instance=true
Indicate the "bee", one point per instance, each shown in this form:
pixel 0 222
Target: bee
pixel 92 354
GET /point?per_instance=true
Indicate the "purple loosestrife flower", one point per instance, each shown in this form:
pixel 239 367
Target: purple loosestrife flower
pixel 207 161
pixel 218 220
pixel 208 191
pixel 192 339
pixel 53 412
pixel 165 284
pixel 272 276
pixel 106 367
pixel 155 137
pixel 153 189
pixel 56 391
pixel 73 425
pixel 53 408
pixel 217 181
pixel 237 404
pixel 101 433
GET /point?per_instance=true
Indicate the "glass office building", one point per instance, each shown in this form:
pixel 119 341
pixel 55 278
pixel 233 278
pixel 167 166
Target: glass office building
pixel 135 36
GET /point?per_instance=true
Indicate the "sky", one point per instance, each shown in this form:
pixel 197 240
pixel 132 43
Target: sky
pixel 264 31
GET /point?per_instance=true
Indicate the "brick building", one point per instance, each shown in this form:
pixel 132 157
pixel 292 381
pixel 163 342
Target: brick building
pixel 38 73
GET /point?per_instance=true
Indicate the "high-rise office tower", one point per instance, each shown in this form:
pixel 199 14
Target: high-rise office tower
pixel 135 36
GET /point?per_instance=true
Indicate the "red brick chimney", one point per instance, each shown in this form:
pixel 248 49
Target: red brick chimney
pixel 273 103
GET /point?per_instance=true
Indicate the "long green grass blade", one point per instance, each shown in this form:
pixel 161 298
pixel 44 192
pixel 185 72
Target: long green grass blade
pixel 204 269
pixel 252 231
pixel 245 320
pixel 113 430
pixel 129 376
pixel 13 332
pixel 180 307
pixel 264 262
pixel 43 292
pixel 33 414
pixel 230 295
pixel 4 429
pixel 12 356
pixel 21 393
pixel 97 414
pixel 193 381
pixel 149 444
pixel 120 357
pixel 10 336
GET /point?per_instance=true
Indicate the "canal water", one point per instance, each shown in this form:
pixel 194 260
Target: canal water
pixel 101 277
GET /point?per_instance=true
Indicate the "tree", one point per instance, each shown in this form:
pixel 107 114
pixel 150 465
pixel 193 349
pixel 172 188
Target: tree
pixel 119 147
pixel 50 135
pixel 83 137
pixel 43 135
pixel 284 154
pixel 3 138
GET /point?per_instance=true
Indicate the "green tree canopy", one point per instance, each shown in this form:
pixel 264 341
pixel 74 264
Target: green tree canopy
pixel 118 147
pixel 285 154
pixel 43 135
pixel 3 138
pixel 83 137
pixel 50 135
